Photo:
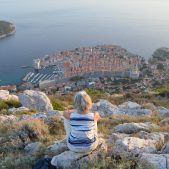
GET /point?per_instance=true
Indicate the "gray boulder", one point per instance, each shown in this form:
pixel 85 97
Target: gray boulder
pixel 164 121
pixel 129 105
pixel 33 148
pixel 154 161
pixel 163 111
pixel 116 136
pixel 69 159
pixel 57 148
pixel 40 115
pixel 130 128
pixel 134 145
pixel 156 136
pixel 53 113
pixel 8 119
pixel 136 112
pixel 5 95
pixel 165 148
pixel 24 117
pixel 35 100
pixel 18 110
pixel 105 108
pixel 133 109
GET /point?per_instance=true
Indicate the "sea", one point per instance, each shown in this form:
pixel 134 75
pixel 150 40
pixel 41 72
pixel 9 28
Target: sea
pixel 48 26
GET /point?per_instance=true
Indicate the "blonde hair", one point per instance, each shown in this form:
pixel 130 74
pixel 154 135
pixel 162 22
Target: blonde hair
pixel 82 101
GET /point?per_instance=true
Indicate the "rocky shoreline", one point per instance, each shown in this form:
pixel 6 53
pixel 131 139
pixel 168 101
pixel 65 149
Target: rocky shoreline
pixel 12 31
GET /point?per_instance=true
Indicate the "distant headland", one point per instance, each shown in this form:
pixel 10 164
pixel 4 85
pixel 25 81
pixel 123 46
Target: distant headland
pixel 6 29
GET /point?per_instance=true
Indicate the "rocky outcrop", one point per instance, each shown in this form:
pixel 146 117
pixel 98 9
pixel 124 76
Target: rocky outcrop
pixel 134 109
pixel 164 121
pixel 134 145
pixel 57 148
pixel 163 111
pixel 156 136
pixel 154 161
pixel 105 108
pixel 165 148
pixel 18 110
pixel 130 128
pixel 35 100
pixel 33 148
pixel 69 159
pixel 8 119
pixel 129 105
pixel 4 95
pixel 6 29
pixel 53 113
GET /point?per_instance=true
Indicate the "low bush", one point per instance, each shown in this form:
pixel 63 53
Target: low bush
pixel 17 162
pixel 3 105
pixel 56 126
pixel 108 161
pixel 36 129
pixel 58 105
pixel 13 103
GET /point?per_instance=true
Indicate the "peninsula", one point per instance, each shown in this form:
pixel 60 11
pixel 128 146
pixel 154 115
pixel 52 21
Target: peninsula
pixel 6 29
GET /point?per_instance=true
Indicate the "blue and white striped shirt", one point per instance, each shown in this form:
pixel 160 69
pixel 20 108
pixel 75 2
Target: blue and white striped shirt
pixel 83 130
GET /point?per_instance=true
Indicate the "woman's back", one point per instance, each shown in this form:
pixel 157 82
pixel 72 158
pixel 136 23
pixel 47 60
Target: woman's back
pixel 83 131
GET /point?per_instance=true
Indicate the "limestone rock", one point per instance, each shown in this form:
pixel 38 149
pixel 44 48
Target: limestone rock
pixel 130 128
pixel 5 95
pixel 8 119
pixel 134 145
pixel 35 100
pixel 24 117
pixel 116 136
pixel 70 159
pixel 18 110
pixel 40 115
pixel 57 113
pixel 33 148
pixel 156 136
pixel 136 112
pixel 133 109
pixel 165 149
pixel 129 105
pixel 164 121
pixel 57 148
pixel 105 108
pixel 154 161
pixel 163 111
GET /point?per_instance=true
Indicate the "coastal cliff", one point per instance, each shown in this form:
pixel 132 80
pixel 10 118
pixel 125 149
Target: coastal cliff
pixel 6 29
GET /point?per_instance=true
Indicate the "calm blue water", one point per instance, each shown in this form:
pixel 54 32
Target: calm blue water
pixel 47 26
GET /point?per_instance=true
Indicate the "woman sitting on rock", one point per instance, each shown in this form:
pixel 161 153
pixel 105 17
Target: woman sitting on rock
pixel 81 125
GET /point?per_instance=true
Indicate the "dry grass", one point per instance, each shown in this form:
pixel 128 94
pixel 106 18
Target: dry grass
pixel 36 129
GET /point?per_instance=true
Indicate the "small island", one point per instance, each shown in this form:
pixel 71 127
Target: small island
pixel 6 29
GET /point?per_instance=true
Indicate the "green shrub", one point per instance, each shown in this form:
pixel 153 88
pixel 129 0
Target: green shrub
pixel 107 161
pixel 13 103
pixel 57 105
pixel 19 162
pixel 3 105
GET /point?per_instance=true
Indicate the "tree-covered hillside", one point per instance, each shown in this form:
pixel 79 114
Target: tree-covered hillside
pixel 6 28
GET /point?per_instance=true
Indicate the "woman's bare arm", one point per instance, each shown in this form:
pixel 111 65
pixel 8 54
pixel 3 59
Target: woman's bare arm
pixel 96 116
pixel 67 113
